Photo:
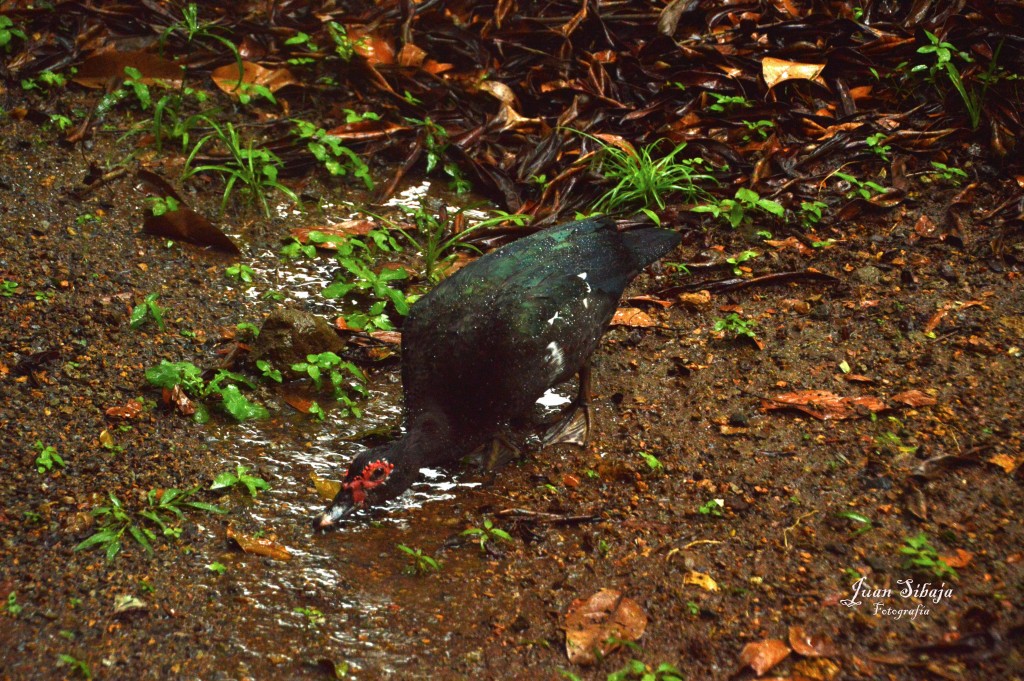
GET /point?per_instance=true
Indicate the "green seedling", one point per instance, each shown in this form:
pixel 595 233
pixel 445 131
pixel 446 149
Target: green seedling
pixel 652 461
pixel 737 260
pixel 48 458
pixel 943 53
pixel 758 129
pixel 420 563
pixel 314 618
pixel 240 477
pixel 344 46
pixel 876 145
pixel 347 380
pixel 865 189
pixel 738 210
pixel 45 80
pixel 949 174
pixel 736 326
pixel 862 522
pixel 189 377
pixel 79 667
pixel 713 508
pixel 161 205
pixel 148 309
pixel 435 148
pixel 218 568
pixel 921 556
pixel 329 150
pixel 487 533
pixel 8 32
pixel 241 272
pixel 8 288
pixel 635 670
pixel 13 609
pixel 268 371
pixel 811 212
pixel 724 103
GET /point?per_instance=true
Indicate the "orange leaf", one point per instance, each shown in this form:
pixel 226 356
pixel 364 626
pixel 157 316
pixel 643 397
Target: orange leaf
pixel 810 646
pixel 914 398
pixel 226 77
pixel 595 627
pixel 632 316
pixel 764 655
pixel 259 546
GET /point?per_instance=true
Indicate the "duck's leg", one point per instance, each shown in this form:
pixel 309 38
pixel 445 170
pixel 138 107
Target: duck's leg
pixel 574 427
pixel 491 456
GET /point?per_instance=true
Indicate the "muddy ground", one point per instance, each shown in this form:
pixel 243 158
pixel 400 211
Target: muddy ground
pixel 809 505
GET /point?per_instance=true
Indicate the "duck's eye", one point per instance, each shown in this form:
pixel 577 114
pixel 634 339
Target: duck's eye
pixel 378 474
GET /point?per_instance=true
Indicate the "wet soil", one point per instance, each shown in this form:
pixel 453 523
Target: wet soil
pixel 785 550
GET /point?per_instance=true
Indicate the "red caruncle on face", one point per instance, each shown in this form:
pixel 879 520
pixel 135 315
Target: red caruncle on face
pixel 373 475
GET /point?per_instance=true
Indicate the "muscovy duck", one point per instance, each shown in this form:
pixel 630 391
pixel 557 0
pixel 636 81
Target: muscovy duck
pixel 480 349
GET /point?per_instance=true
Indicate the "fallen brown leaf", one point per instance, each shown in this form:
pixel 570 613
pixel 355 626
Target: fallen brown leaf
pixel 596 626
pixel 763 655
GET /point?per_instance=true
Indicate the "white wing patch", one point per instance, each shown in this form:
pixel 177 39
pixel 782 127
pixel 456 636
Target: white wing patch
pixel 583 276
pixel 554 356
pixel 552 320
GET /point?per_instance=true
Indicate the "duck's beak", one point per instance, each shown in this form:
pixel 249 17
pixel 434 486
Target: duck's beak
pixel 330 517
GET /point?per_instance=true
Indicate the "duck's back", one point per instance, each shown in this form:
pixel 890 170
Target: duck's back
pixel 485 344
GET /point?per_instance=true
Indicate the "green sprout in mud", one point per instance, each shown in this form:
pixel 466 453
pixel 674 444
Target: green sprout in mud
pixel 314 618
pixel 164 511
pixel 420 563
pixel 224 384
pixel 740 258
pixel 736 326
pixel 864 189
pixel 652 461
pixel 241 272
pixel 146 310
pixel 79 667
pixel 740 210
pixel 347 381
pixel 8 288
pixel 712 508
pixel 921 556
pixel 487 533
pixel 242 477
pixel 811 212
pixel 48 458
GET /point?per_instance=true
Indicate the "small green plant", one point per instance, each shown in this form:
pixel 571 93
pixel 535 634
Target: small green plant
pixel 218 568
pixel 43 296
pixel 736 326
pixel 305 42
pixel 47 458
pixel 13 609
pixel 8 288
pixel 347 380
pixel 943 52
pixel 241 272
pixel 79 667
pixel 652 461
pixel 811 212
pixel 60 122
pixel 8 32
pixel 487 533
pixel 876 145
pixel 148 309
pixel 644 180
pixel 344 46
pixel 724 103
pixel 361 278
pixel 922 557
pixel 758 129
pixel 713 508
pixel 419 563
pixel 435 147
pixel 189 377
pixel 314 618
pixel 254 168
pixel 164 509
pixel 737 211
pixel 950 174
pixel 638 671
pixel 740 258
pixel 240 477
pixel 862 522
pixel 692 608
pixel 45 80
pixel 295 249
pixel 338 159
pixel 161 205
pixel 865 189
pixel 268 371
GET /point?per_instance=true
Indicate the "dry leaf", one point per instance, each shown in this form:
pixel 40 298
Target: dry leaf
pixel 960 559
pixel 914 398
pixel 776 71
pixel 260 546
pixel 1004 461
pixel 764 655
pixel 129 411
pixel 700 579
pixel 818 669
pixel 226 77
pixel 632 316
pixel 99 69
pixel 595 626
pixel 810 646
pixel 697 299
pixel 824 405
